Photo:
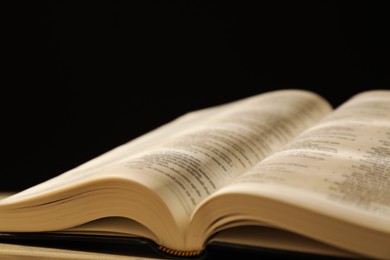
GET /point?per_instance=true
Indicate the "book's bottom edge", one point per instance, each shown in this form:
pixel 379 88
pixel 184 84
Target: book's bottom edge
pixel 142 247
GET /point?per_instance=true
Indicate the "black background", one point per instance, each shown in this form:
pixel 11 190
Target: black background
pixel 80 78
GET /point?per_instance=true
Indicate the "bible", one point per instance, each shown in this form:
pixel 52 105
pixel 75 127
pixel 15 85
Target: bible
pixel 282 170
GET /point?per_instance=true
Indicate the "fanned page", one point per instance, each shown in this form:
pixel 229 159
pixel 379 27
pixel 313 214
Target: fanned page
pixel 180 163
pixel 331 183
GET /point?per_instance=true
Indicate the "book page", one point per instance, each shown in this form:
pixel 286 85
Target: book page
pixel 344 160
pixel 331 183
pixel 190 158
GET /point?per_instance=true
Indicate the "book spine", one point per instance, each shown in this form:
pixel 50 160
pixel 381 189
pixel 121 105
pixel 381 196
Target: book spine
pixel 179 253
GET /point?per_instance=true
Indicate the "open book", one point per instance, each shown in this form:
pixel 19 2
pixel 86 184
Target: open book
pixel 281 170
